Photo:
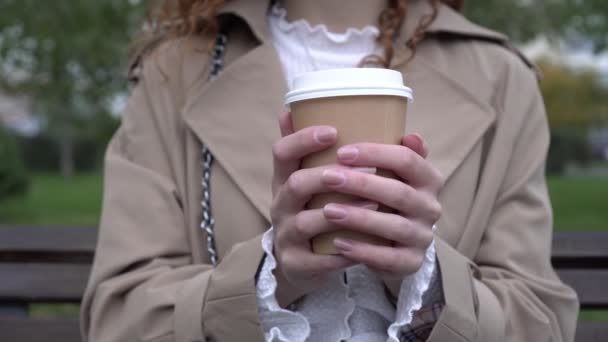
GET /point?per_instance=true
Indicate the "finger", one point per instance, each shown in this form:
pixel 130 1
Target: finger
pixel 391 192
pixel 309 223
pixel 306 225
pixel 285 124
pixel 302 184
pixel 386 259
pixel 416 143
pixel 404 162
pixel 289 150
pixel 389 226
pixel 309 265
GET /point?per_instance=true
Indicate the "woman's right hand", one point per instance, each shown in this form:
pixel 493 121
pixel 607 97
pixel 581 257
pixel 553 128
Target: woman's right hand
pixel 299 270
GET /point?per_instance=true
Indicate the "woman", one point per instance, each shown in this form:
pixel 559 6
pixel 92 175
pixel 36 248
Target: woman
pixel 475 170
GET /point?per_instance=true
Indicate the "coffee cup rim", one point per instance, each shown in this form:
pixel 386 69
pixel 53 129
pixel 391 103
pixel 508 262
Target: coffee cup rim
pixel 348 82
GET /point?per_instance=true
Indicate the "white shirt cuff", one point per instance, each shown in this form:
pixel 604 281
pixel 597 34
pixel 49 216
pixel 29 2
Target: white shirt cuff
pixel 279 324
pixel 412 289
pixel 325 313
pixel 322 315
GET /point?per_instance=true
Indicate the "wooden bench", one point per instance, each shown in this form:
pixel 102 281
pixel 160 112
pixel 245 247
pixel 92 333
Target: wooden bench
pixel 51 265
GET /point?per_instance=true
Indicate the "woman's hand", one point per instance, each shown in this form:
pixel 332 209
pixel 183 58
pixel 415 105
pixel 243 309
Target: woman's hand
pixel 299 270
pixel 413 197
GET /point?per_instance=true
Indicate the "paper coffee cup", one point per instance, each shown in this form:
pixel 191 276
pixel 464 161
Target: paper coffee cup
pixel 364 105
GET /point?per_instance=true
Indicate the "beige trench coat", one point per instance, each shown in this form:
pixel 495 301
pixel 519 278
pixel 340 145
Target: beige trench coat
pixel 478 106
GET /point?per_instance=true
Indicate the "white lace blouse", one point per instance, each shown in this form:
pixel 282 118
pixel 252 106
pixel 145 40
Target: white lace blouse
pixel 352 306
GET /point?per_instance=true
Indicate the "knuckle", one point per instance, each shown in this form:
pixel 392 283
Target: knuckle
pixel 293 184
pixel 283 258
pixel 405 231
pixel 359 180
pixel 279 152
pixel 333 263
pixel 300 225
pixel 359 217
pixel 435 210
pixel 326 265
pixel 426 238
pixel 405 158
pixel 404 197
pixel 417 260
pixel 389 263
pixel 441 179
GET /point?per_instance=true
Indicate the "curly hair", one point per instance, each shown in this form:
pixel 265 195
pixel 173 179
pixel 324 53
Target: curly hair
pixel 180 18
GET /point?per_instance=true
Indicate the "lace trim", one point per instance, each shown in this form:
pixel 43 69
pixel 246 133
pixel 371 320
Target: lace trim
pixel 279 324
pixel 411 291
pixel 302 24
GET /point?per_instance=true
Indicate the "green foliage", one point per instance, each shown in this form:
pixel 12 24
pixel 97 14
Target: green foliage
pixel 40 154
pixel 573 21
pixel 573 97
pixel 68 57
pixel 575 100
pixel 13 179
pixel 568 146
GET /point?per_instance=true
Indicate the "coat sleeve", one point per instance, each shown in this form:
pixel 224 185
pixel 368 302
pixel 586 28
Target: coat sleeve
pixel 508 291
pixel 144 284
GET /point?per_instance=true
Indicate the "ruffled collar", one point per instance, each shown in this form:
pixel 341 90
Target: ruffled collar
pixel 301 27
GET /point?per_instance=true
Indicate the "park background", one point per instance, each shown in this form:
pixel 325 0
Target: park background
pixel 62 89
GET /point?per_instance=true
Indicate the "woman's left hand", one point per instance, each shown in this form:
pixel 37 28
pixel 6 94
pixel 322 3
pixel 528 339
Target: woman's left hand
pixel 413 197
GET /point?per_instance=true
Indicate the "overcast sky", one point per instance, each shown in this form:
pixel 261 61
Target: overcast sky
pixel 575 58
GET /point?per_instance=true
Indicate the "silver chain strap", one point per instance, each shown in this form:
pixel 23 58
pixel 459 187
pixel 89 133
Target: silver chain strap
pixel 207 222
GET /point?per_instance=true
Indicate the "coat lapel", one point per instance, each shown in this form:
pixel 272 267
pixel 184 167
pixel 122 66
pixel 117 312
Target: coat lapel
pixel 236 117
pixel 450 118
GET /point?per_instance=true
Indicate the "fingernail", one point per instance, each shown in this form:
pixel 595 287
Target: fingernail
pixel 325 135
pixel 343 245
pixel 332 177
pixel 370 170
pixel 334 212
pixel 348 153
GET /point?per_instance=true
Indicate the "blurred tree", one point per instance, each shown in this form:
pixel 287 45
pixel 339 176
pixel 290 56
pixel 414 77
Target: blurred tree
pixel 575 100
pixel 13 179
pixel 65 56
pixel 578 22
pixel 574 97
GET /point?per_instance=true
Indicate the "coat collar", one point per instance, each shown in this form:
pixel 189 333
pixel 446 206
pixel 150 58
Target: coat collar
pixel 254 12
pixel 236 114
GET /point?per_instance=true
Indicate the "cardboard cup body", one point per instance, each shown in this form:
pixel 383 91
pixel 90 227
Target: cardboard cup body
pixel 375 118
pixel 364 105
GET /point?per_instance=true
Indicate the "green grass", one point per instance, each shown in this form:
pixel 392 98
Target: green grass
pixel 579 203
pixel 51 200
pixel 593 315
pixel 54 310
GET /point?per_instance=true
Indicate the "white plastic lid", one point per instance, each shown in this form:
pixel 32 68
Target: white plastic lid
pixel 347 82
